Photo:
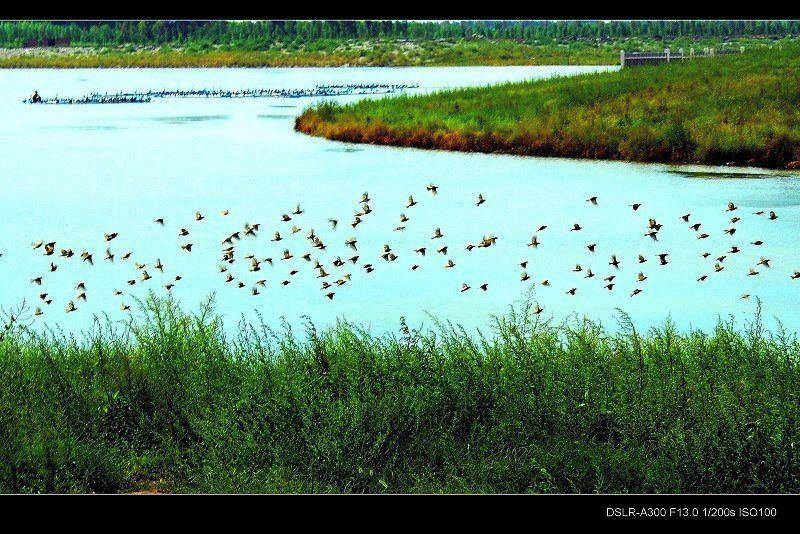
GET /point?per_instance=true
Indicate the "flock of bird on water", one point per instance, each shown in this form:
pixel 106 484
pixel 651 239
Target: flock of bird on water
pixel 334 273
pixel 143 97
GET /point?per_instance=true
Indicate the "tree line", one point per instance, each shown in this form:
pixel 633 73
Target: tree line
pixel 267 32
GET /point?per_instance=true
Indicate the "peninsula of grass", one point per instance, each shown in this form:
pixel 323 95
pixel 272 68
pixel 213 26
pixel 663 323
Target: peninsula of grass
pixel 740 109
pixel 170 402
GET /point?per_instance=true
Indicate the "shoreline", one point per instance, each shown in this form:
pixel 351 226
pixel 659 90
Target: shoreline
pixel 344 66
pixel 201 65
pixel 379 135
pixel 732 167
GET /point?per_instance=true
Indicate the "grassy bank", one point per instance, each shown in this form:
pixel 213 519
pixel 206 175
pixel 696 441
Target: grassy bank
pixel 529 408
pixel 740 108
pixel 352 52
pixel 318 54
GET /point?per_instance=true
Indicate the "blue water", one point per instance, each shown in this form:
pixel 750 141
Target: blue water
pixel 70 174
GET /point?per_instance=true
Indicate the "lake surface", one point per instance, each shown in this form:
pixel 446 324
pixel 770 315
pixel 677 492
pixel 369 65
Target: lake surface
pixel 70 174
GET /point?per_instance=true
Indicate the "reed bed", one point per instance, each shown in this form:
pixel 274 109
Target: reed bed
pixel 170 401
pixel 738 109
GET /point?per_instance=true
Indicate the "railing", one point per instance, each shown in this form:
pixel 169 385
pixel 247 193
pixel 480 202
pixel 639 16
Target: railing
pixel 633 59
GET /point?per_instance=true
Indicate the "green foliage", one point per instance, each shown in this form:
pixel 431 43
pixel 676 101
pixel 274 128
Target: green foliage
pixel 245 33
pixel 525 407
pixel 738 108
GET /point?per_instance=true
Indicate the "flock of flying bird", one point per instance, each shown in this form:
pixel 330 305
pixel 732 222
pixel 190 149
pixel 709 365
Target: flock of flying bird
pixel 335 273
pixel 654 227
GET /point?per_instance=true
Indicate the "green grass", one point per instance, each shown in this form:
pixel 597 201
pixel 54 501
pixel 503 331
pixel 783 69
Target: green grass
pixel 353 52
pixel 527 407
pixel 362 54
pixel 742 109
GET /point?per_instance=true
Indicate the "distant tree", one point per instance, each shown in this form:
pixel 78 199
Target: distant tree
pixel 268 32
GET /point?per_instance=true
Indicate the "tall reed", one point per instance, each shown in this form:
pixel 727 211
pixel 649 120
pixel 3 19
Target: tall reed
pixel 526 406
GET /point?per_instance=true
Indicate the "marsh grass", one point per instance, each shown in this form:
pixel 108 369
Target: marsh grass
pixel 739 108
pixel 526 407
